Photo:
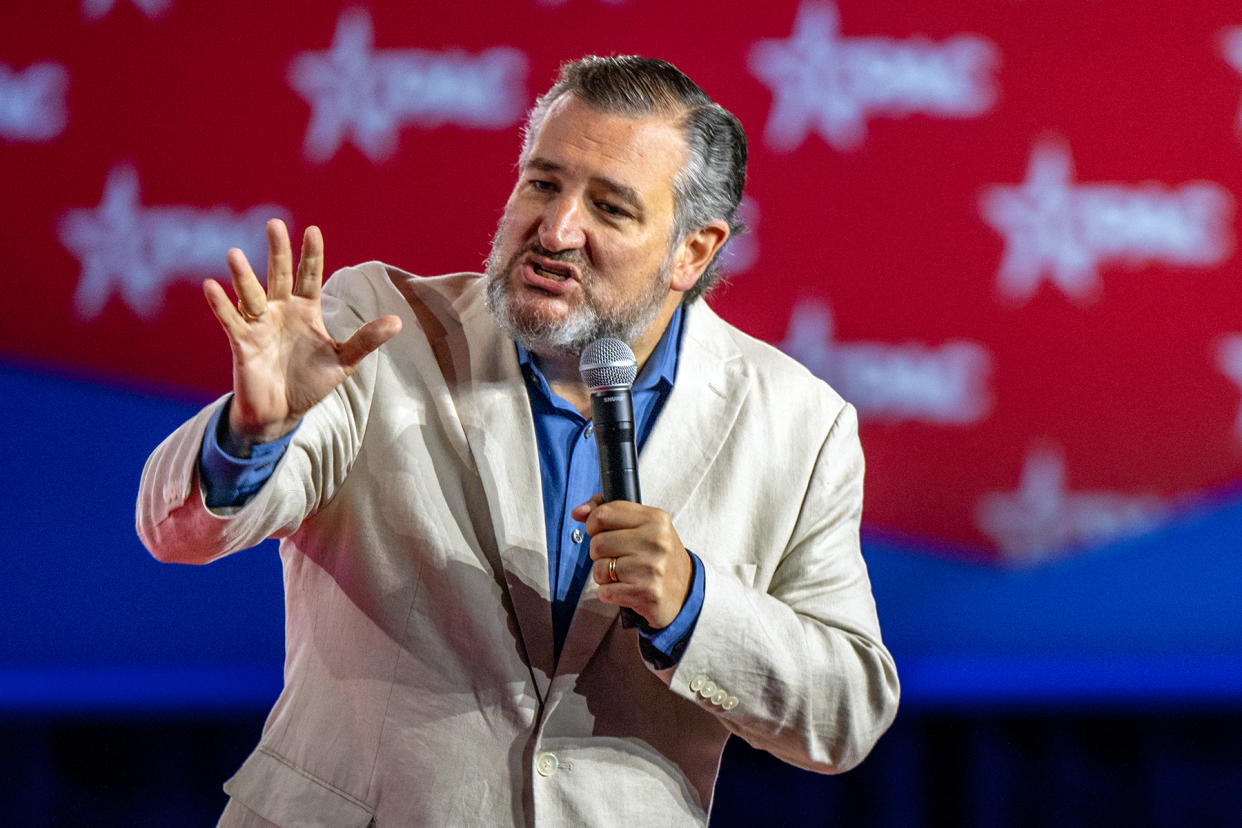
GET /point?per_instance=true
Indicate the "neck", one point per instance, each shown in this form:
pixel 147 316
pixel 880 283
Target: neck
pixel 563 378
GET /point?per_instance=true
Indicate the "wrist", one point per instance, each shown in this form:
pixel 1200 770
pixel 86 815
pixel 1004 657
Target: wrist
pixel 237 437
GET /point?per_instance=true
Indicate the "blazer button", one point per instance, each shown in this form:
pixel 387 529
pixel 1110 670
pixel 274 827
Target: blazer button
pixel 697 682
pixel 719 696
pixel 729 703
pixel 546 764
pixel 707 689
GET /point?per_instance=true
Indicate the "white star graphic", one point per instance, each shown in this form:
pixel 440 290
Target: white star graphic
pixel 823 82
pixel 135 251
pixel 108 243
pixel 341 86
pixel 365 96
pixel 807 83
pixel 1042 518
pixel 98 9
pixel 1041 229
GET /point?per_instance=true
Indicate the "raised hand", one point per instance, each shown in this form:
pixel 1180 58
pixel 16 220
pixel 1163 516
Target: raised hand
pixel 284 361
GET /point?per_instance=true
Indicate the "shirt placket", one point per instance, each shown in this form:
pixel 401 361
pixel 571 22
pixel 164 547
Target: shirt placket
pixel 582 482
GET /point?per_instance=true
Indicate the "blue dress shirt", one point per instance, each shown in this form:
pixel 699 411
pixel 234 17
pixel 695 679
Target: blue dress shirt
pixel 569 474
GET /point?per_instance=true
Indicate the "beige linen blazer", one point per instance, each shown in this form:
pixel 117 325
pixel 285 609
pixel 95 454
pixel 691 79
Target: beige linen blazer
pixel 420 687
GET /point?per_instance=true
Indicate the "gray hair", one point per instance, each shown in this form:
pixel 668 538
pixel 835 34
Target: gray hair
pixel 709 186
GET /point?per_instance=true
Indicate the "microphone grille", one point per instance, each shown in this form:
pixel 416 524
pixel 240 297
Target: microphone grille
pixel 607 363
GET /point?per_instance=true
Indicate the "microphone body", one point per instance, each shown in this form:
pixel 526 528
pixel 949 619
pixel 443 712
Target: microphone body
pixel 608 368
pixel 613 413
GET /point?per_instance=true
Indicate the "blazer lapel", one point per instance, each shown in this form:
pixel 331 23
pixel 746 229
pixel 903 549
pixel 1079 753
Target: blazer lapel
pixel 494 409
pixel 698 416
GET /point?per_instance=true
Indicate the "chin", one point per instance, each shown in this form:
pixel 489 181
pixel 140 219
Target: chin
pixel 534 309
pixel 541 323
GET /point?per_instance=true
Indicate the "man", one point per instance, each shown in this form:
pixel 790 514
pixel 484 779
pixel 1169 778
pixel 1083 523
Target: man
pixel 456 654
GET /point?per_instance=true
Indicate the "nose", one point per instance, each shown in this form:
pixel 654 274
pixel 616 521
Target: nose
pixel 561 226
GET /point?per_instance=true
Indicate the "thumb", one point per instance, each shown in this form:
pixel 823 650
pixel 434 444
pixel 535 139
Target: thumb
pixel 583 511
pixel 367 338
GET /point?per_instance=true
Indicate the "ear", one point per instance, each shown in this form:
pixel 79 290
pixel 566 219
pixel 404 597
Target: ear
pixel 696 252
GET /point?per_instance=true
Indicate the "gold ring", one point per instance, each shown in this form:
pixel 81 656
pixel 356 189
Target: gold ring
pixel 612 571
pixel 247 315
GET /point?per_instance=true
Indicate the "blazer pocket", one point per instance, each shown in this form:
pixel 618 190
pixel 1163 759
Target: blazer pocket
pixel 277 790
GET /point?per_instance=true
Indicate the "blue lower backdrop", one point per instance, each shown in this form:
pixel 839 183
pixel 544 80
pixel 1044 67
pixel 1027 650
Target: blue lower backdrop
pixel 1105 688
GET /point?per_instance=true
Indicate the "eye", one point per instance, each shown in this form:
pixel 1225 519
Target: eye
pixel 541 185
pixel 610 209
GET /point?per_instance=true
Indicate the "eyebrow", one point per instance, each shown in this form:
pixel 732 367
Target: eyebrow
pixel 622 191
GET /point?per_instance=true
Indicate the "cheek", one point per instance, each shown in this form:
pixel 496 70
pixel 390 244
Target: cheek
pixel 517 222
pixel 626 256
pixel 620 274
pixel 642 263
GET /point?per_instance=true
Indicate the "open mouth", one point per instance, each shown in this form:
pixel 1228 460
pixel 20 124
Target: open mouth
pixel 548 273
pixel 551 270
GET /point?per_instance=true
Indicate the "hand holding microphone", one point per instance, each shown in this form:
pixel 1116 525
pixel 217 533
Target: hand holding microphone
pixel 640 563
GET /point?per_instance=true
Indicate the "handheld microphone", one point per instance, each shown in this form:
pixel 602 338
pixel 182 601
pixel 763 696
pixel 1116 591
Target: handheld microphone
pixel 608 369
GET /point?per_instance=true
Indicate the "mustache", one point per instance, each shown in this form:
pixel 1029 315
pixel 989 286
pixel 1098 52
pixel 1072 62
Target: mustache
pixel 571 256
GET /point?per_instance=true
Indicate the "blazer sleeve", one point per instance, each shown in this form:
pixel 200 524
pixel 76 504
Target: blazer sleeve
pixel 798 668
pixel 172 518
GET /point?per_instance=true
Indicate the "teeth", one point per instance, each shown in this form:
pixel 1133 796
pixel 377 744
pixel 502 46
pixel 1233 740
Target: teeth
pixel 551 274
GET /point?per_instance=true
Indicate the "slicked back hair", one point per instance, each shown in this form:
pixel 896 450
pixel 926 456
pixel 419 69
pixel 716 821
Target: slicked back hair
pixel 709 185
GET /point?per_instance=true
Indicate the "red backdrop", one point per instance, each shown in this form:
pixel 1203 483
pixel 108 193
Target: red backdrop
pixel 1005 230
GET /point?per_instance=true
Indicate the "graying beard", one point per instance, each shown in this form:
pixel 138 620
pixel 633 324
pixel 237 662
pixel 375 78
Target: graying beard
pixel 569 337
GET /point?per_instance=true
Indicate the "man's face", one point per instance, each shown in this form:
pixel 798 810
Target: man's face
pixel 584 248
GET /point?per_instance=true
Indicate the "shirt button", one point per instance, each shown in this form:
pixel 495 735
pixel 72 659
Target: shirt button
pixel 546 764
pixel 577 536
pixel 589 431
